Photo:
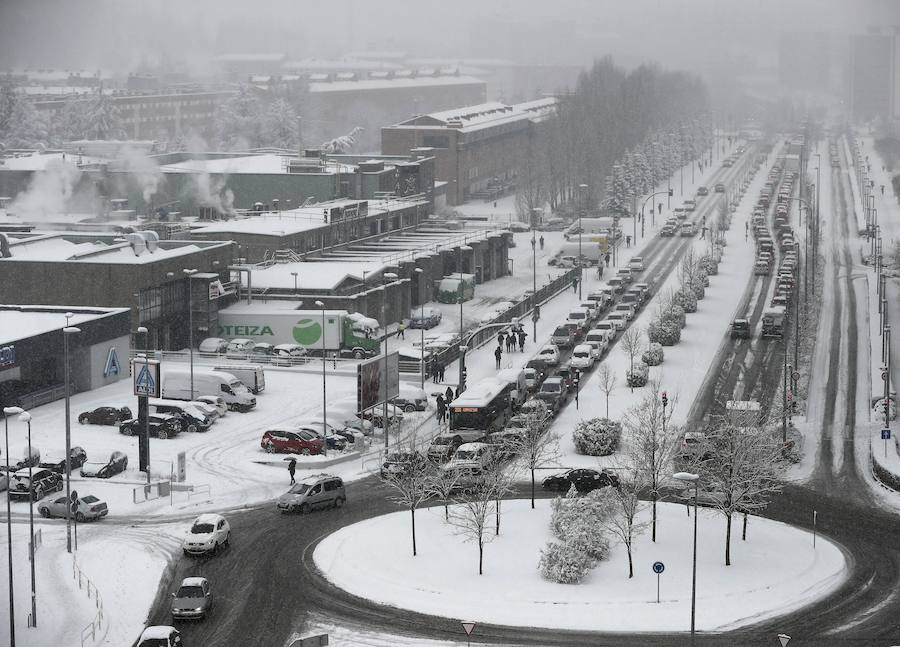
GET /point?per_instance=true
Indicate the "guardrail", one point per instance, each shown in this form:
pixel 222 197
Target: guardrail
pixel 98 622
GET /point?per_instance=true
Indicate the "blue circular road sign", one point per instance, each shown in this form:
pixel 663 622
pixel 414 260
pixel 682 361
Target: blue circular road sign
pixel 658 567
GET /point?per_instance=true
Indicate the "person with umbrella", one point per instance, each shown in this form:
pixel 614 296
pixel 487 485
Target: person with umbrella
pixel 292 468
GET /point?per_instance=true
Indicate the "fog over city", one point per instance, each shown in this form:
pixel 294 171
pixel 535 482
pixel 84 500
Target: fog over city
pixel 493 322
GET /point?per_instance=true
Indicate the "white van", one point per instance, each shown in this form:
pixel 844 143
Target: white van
pixel 252 376
pixel 176 385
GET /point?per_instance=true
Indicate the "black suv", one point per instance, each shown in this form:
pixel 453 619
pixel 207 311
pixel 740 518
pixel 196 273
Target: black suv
pixel 105 416
pixel 43 482
pixel 161 426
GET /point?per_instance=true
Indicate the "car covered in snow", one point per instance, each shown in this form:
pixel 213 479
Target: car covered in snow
pixel 208 534
pixel 117 463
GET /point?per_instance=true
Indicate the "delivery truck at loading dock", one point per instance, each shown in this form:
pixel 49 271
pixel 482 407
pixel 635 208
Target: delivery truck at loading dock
pixel 348 334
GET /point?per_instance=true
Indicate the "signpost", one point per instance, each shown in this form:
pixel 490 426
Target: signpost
pixel 468 627
pixel 658 568
pixel 146 383
pixel 885 436
pixel 785 639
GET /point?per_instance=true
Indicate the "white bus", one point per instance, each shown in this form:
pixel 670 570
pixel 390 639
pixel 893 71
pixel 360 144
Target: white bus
pixel 484 407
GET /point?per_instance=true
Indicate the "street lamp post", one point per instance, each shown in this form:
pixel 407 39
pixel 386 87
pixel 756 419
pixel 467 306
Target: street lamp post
pixel 584 190
pixel 7 412
pixel 533 276
pixel 26 418
pixel 143 409
pixel 190 273
pixel 68 330
pixel 695 479
pixel 295 274
pixel 420 272
pixel 324 400
pixel 387 277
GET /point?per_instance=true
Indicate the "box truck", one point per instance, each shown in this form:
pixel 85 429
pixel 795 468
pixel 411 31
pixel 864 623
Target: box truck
pixel 348 334
pixel 253 377
pixel 176 385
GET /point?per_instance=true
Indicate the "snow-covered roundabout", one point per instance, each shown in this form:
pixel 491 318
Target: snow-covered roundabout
pixel 774 571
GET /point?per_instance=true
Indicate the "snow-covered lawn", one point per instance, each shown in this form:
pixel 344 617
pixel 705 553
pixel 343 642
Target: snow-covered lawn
pixel 774 571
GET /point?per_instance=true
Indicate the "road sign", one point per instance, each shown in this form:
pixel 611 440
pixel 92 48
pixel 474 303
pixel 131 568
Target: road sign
pixel 658 567
pixel 785 639
pixel 885 434
pixel 884 376
pixel 468 627
pixel 146 378
pixel 795 375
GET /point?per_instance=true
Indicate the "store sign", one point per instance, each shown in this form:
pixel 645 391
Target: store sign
pixel 113 368
pixel 7 356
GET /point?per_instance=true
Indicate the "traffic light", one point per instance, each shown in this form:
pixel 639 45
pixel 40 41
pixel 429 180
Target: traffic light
pixel 665 399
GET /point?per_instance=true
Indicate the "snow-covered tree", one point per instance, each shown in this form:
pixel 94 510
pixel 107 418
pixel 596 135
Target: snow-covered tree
pixel 71 123
pixel 606 379
pixel 239 119
pixel 622 504
pixel 654 355
pixel 564 562
pixel 411 484
pixel 536 445
pixel 102 120
pixel 342 144
pixel 27 127
pixel 280 127
pixel 654 442
pixel 664 331
pixel 633 344
pixel 7 104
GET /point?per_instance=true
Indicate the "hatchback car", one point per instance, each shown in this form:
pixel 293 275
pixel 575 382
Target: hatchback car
pixel 213 345
pixel 400 463
pixel 36 485
pixel 563 336
pixel 292 441
pixel 740 329
pixel 636 264
pixel 584 480
pixel 217 401
pixel 77 457
pixel 554 392
pixel 582 357
pixel 193 600
pixel 313 492
pixel 162 425
pixel 117 463
pixel 443 445
pixel 160 636
pixel 208 534
pixel 549 355
pixel 288 354
pixel 87 508
pixel 105 416
pixel 618 319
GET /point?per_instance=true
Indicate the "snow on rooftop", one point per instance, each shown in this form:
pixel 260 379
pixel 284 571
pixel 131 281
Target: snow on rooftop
pixel 320 275
pixel 268 163
pixel 348 63
pixel 82 249
pixel 383 84
pixel 17 322
pixel 39 161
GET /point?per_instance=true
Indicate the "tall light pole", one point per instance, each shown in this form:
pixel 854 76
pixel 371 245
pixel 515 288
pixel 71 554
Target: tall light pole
pixel 295 274
pixel 584 194
pixel 419 273
pixel 533 277
pixel 26 418
pixel 387 277
pixel 687 477
pixel 190 273
pixel 324 400
pixel 7 412
pixel 68 330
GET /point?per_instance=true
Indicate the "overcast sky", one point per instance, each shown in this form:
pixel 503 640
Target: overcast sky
pixel 117 34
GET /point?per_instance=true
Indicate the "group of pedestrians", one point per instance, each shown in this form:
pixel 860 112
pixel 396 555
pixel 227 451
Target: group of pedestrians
pixel 437 372
pixel 443 404
pixel 509 340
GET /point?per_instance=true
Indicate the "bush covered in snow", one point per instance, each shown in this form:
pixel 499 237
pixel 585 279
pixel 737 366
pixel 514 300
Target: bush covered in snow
pixel 710 264
pixel 639 375
pixel 666 332
pixel 698 288
pixel 686 299
pixel 597 437
pixel 564 563
pixel 674 312
pixel 653 356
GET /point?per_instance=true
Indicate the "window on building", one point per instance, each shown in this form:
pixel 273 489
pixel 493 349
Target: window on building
pixel 436 141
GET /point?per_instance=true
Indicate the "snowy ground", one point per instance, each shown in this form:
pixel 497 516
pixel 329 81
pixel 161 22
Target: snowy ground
pixel 774 571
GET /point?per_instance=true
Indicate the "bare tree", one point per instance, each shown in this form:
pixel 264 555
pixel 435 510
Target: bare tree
pixel 411 481
pixel 622 504
pixel 535 444
pixel 633 344
pixel 738 468
pixel 653 442
pixel 607 381
pixel 475 504
pixel 444 484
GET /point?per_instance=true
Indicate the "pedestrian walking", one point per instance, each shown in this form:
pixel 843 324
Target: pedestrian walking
pixel 575 285
pixel 498 353
pixel 659 208
pixel 434 372
pixel 510 343
pixel 441 409
pixel 627 241
pixel 441 369
pixel 533 243
pixel 703 234
pixel 542 241
pixel 448 395
pixel 500 338
pixel 882 189
pixel 606 258
pixel 746 230
pixel 600 270
pixel 522 336
pixel 292 467
pixel 401 331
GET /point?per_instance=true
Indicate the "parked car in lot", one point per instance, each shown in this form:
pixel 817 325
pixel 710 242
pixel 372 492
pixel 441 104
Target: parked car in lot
pixel 584 480
pixel 208 534
pixel 162 425
pixel 190 418
pixel 411 398
pixel 104 416
pixel 426 317
pixel 216 401
pixel 334 438
pixel 549 354
pixel 292 441
pixel 193 600
pixel 77 457
pixel 288 355
pixel 117 463
pixel 88 508
pixel 36 485
pixel 554 392
pixel 213 345
pixel 160 636
pixel 313 492
pixel 262 351
pixel 239 348
pixel 211 411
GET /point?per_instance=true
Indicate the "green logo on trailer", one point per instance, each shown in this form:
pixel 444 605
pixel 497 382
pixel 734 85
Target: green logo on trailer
pixel 307 332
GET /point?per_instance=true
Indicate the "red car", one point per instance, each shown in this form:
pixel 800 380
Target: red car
pixel 291 441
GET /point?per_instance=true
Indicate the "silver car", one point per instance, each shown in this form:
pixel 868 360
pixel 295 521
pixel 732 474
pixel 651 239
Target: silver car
pixel 88 507
pixel 317 491
pixel 193 600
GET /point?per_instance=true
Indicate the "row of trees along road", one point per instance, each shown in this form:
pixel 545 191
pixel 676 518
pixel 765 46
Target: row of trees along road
pixel 618 132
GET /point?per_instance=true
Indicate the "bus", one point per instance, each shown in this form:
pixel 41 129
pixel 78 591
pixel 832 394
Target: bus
pixel 483 407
